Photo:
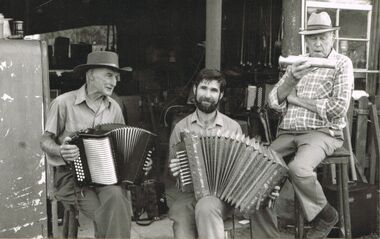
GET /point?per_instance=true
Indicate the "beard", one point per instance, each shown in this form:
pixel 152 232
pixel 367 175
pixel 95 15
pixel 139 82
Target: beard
pixel 206 105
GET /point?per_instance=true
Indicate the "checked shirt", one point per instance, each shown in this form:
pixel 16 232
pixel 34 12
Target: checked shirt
pixel 330 88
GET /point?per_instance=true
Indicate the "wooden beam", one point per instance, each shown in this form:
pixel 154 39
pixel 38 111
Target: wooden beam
pixel 375 130
pixel 291 12
pixel 361 132
pixel 213 33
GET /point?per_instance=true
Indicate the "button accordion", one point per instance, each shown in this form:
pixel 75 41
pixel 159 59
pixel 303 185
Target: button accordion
pixel 111 154
pixel 238 170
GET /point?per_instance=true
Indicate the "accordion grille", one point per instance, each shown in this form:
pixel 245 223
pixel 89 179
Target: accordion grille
pixel 234 168
pixel 111 154
pixel 100 160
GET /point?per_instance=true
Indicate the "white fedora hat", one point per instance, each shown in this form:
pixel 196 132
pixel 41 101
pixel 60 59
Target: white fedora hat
pixel 318 23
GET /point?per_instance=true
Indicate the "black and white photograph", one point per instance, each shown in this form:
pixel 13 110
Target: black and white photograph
pixel 190 119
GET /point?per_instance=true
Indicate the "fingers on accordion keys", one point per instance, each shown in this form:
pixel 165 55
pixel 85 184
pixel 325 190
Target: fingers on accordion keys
pixel 259 202
pixel 273 196
pixel 246 140
pixel 227 134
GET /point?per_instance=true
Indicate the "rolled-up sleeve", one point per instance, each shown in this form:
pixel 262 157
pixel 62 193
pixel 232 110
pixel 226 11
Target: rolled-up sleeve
pixel 55 119
pixel 273 97
pixel 337 104
pixel 174 139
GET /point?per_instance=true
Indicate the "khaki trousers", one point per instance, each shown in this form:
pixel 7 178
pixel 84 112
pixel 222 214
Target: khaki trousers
pixel 204 219
pixel 110 209
pixel 310 150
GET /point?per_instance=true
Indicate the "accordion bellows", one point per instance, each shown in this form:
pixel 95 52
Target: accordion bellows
pixel 234 168
pixel 111 154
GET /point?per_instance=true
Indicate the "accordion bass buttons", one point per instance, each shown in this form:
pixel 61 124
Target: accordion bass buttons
pixel 79 169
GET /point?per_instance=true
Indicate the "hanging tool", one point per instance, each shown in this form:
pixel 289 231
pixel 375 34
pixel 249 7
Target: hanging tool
pixel 108 37
pixel 262 40
pixel 113 47
pixel 278 43
pixel 242 63
pixel 270 34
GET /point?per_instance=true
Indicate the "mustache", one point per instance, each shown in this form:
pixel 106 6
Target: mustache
pixel 207 99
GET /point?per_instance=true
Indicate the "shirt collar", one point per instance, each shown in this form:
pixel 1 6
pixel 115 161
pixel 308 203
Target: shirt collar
pixel 218 119
pixel 332 54
pixel 81 96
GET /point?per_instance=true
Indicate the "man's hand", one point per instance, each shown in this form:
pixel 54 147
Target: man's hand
pixel 291 98
pixel 174 167
pixel 294 74
pixel 273 196
pixel 148 164
pixel 67 151
pixel 299 69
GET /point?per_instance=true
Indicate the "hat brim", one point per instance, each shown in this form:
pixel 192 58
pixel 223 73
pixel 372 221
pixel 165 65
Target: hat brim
pixel 81 69
pixel 317 31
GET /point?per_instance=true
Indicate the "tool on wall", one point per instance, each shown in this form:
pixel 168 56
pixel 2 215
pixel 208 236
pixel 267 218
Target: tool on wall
pixel 242 52
pixel 280 36
pixel 270 34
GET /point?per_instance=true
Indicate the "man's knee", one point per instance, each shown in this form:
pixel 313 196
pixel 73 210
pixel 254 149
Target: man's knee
pixel 208 205
pixel 300 169
pixel 115 194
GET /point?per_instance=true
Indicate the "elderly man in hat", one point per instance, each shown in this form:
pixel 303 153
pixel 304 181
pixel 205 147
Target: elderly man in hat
pixel 108 206
pixel 314 103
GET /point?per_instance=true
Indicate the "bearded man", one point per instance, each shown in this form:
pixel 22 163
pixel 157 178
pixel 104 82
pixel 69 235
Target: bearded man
pixel 204 218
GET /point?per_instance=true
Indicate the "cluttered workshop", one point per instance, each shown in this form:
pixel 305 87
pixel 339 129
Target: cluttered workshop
pixel 156 51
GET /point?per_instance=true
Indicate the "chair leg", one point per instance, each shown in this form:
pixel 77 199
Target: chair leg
pixel 300 224
pixel 233 226
pixel 340 200
pixel 346 203
pixel 250 229
pixel 343 201
pixel 54 218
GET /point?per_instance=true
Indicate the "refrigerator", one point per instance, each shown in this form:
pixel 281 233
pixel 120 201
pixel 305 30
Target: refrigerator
pixel 24 96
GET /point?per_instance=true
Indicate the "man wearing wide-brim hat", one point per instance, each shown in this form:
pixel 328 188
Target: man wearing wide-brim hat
pixel 314 103
pixel 91 105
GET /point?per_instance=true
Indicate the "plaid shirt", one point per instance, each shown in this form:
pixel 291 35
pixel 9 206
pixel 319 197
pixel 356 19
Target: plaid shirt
pixel 330 88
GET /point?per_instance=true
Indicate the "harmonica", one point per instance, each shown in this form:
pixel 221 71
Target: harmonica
pixel 313 61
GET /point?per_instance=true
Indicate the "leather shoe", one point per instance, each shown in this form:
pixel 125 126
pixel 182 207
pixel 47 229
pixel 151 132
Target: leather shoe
pixel 321 228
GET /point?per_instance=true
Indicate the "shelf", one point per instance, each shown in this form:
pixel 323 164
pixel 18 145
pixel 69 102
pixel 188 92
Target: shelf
pixel 59 72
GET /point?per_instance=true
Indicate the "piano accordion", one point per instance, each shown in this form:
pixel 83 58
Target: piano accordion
pixel 111 154
pixel 234 168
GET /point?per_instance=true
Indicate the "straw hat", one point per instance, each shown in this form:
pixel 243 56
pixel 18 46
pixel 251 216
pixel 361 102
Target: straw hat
pixel 318 23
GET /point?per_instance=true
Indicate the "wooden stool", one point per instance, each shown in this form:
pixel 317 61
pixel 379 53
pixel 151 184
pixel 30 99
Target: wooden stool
pixel 70 222
pixel 340 158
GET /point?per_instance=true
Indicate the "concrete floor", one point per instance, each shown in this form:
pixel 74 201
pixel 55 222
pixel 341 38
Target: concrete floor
pixel 163 228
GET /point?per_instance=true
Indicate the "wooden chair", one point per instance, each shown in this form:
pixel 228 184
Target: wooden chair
pixel 341 159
